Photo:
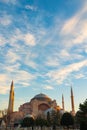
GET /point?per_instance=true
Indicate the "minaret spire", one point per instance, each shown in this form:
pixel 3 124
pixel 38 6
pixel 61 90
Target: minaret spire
pixel 72 102
pixel 11 99
pixel 63 102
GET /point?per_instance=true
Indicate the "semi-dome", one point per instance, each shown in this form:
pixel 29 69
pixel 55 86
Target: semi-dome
pixel 42 97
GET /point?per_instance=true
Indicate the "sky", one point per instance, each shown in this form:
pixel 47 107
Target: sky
pixel 43 49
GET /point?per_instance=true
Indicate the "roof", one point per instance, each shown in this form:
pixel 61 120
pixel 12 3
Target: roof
pixel 42 97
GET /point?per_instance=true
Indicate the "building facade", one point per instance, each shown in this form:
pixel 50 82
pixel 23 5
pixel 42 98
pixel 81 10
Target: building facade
pixel 38 105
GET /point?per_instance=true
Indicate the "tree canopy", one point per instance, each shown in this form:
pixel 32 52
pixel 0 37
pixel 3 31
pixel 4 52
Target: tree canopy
pixel 67 120
pixel 27 122
pixel 81 115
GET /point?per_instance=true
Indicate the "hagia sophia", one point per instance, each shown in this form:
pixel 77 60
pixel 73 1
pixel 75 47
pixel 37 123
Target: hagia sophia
pixel 40 104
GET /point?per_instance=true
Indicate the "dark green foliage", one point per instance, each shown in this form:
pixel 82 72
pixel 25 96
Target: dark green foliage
pixel 83 107
pixel 55 117
pixel 67 120
pixel 81 115
pixel 27 122
pixel 48 119
pixel 39 121
pixel 83 126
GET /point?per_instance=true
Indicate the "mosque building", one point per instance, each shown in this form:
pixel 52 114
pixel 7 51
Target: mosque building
pixel 40 104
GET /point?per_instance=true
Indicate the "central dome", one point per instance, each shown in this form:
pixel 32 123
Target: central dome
pixel 42 97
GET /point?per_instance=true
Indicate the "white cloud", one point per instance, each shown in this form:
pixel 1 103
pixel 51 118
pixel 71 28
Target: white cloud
pixel 9 1
pixel 62 74
pixel 2 41
pixel 18 35
pixel 82 35
pixel 56 59
pixel 25 84
pixel 64 53
pixel 77 37
pixel 71 24
pixel 12 57
pixel 11 68
pixel 24 75
pixel 5 20
pixel 29 39
pixel 4 79
pixel 53 62
pixel 74 30
pixel 32 64
pixel 33 8
pixel 48 87
pixel 20 77
pixel 78 76
pixel 4 90
pixel 29 58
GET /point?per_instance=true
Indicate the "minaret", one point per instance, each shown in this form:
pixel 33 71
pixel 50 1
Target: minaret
pixel 11 99
pixel 63 102
pixel 72 103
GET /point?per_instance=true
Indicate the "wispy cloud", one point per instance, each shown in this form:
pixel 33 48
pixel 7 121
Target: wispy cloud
pixel 60 75
pixel 48 87
pixel 30 7
pixel 74 30
pixel 2 40
pixel 29 39
pixel 5 20
pixel 71 24
pixel 4 90
pixel 11 57
pixel 16 36
pixel 31 48
pixel 52 62
pixel 3 80
pixel 78 76
pixel 9 1
pixel 21 78
pixel 2 77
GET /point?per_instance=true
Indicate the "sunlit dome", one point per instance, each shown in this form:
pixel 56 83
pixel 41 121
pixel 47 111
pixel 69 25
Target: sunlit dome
pixel 42 97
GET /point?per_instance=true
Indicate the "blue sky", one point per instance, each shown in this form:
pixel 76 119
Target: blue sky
pixel 43 48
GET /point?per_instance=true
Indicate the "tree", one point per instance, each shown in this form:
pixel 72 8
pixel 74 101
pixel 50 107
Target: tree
pixel 81 115
pixel 67 120
pixel 48 119
pixel 55 118
pixel 39 121
pixel 28 122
